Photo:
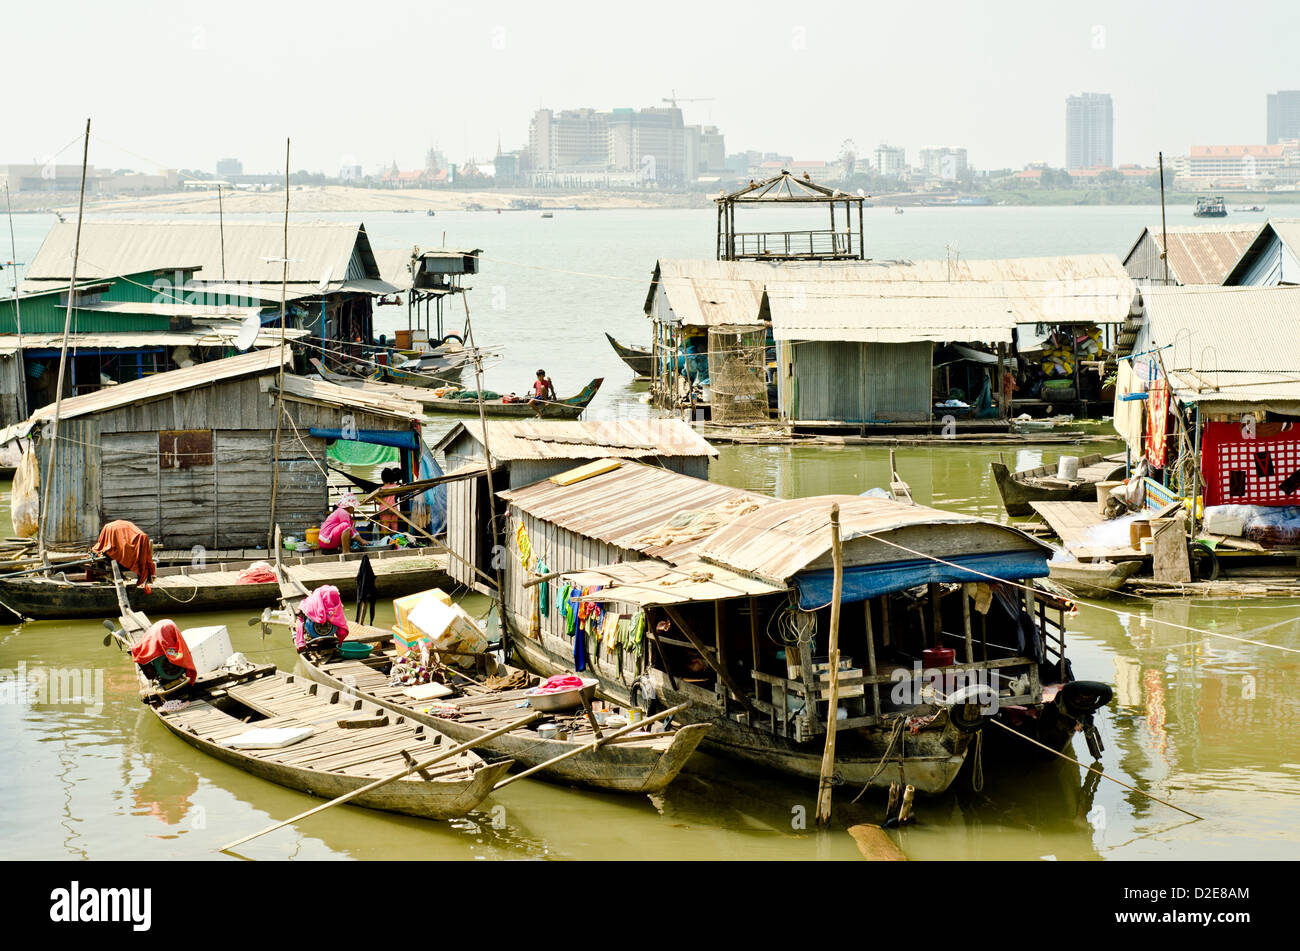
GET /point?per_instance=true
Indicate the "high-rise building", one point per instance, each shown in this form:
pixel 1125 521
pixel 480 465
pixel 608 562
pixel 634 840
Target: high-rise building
pixel 1089 131
pixel 573 138
pixel 946 163
pixel 227 167
pixel 890 160
pixel 1283 116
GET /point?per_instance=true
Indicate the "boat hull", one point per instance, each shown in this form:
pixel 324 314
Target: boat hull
pixel 637 766
pixel 639 360
pixel 1092 579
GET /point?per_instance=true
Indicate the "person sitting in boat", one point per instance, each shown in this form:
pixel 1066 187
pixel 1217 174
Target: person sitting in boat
pixel 389 514
pixel 543 392
pixel 339 533
pixel 164 657
pixel 322 623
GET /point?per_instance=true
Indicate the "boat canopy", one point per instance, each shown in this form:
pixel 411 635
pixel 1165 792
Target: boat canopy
pixel 869 581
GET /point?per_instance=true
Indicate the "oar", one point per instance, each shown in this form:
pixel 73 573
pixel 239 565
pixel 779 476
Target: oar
pixel 60 565
pixel 413 768
pixel 593 744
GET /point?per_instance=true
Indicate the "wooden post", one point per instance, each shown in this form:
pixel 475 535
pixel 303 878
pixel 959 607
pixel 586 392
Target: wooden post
pixel 936 620
pixel 722 651
pixel 753 629
pixel 703 648
pixel 965 624
pixel 884 621
pixel 871 653
pixel 833 700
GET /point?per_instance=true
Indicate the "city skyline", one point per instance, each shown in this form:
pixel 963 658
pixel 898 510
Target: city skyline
pixel 1006 69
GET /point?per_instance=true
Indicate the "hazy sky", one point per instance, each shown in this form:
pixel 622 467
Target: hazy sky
pixel 181 84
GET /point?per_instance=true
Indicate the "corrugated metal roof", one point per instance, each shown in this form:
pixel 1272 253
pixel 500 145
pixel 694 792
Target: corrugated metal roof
pixel 395 267
pixel 321 392
pixel 779 540
pixel 628 505
pixel 651 582
pixel 511 439
pixel 317 250
pixel 1228 344
pixel 170 309
pixel 162 384
pixel 888 313
pixel 1085 288
pixel 1287 230
pixel 210 337
pixel 1200 254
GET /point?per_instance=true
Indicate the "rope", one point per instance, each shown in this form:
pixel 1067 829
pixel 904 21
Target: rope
pixel 884 759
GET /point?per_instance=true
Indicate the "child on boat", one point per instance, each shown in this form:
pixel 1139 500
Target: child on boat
pixel 389 516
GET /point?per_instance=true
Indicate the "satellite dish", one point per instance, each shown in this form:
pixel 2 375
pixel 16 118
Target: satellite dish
pixel 862 193
pixel 324 283
pixel 249 328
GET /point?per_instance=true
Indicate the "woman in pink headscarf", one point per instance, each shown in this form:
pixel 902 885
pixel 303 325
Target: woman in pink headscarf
pixel 321 615
pixel 339 530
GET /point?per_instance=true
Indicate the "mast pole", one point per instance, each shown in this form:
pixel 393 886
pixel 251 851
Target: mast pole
pixel 279 388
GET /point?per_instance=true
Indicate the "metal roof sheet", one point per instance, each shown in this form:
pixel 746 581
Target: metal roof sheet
pixel 652 582
pixel 253 251
pixel 1226 345
pixel 1200 254
pixel 163 384
pixel 888 313
pixel 395 267
pixel 210 337
pixel 511 439
pixel 630 504
pixel 779 540
pixel 322 392
pixel 1286 230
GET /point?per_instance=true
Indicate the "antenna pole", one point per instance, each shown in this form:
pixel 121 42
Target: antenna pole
pixel 221 228
pixel 279 388
pixel 1164 233
pixel 18 313
pixel 63 359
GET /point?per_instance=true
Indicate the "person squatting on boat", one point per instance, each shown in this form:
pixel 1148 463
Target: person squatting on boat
pixel 339 532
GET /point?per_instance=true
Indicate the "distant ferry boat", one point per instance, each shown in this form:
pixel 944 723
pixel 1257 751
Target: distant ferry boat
pixel 1251 208
pixel 1210 208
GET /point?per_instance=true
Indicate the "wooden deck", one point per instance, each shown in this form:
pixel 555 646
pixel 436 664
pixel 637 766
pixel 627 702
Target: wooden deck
pixel 1073 523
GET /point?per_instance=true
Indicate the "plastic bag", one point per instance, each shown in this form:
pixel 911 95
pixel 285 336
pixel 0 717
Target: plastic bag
pixel 25 499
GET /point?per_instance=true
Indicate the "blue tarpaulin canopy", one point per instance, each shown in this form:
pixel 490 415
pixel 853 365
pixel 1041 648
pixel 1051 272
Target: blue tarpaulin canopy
pixel 869 581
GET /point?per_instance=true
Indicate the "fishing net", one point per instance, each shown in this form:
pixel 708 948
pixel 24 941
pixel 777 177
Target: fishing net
pixel 738 375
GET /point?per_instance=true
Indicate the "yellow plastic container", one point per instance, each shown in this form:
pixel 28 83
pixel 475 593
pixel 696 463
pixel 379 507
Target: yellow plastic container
pixel 313 536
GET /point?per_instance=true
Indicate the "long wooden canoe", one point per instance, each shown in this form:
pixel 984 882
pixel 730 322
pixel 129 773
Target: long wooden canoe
pixel 636 764
pixel 570 408
pixel 177 591
pixel 1041 483
pixel 639 359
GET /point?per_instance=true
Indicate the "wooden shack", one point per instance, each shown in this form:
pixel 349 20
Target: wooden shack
pixel 188 455
pixel 526 451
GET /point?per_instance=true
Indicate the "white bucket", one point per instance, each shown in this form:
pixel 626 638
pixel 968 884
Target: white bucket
pixel 1067 467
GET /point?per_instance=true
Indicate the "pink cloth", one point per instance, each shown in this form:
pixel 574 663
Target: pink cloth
pixel 338 520
pixel 323 606
pixel 560 683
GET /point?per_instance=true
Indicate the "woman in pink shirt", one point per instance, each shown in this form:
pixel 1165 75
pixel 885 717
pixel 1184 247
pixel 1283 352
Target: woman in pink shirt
pixel 339 529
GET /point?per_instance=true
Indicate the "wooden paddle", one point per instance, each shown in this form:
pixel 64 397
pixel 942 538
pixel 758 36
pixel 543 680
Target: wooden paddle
pixel 412 768
pixel 593 744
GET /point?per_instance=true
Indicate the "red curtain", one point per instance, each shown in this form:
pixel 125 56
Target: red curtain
pixel 1157 422
pixel 1245 465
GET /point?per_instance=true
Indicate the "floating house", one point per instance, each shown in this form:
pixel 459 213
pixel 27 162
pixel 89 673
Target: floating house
pixel 526 451
pixel 428 278
pixel 1273 257
pixel 1197 254
pixel 189 455
pixel 727 593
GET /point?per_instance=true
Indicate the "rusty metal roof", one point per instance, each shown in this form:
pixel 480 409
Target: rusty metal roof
pixel 779 540
pixel 631 504
pixel 511 439
pixel 652 582
pixel 1200 254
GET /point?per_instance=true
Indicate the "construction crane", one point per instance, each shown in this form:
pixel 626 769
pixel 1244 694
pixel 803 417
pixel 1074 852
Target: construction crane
pixel 674 100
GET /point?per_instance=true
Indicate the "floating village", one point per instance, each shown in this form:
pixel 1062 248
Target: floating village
pixel 202 416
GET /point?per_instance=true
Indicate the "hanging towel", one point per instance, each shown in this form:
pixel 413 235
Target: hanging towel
pixel 544 592
pixel 524 545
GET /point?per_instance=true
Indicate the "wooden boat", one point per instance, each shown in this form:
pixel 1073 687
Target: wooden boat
pixel 644 763
pixel 1041 484
pixel 570 408
pixel 636 764
pixel 441 366
pixel 638 358
pixel 1092 579
pixel 349 744
pixel 182 590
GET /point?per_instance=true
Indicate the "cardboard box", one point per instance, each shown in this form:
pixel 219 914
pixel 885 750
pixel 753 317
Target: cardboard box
pixel 449 628
pixel 402 607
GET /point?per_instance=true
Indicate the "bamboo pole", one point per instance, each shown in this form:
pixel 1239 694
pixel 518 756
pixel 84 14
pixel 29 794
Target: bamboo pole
pixel 63 359
pixel 599 741
pixel 369 787
pixel 871 653
pixel 965 623
pixel 279 389
pixel 833 701
pixel 18 313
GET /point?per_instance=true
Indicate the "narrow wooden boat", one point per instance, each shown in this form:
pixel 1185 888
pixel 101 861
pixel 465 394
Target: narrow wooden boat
pixel 638 358
pixel 570 408
pixel 1092 579
pixel 636 764
pixel 1041 483
pixel 645 763
pixel 186 590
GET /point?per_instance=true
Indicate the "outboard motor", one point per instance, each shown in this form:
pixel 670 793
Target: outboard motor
pixel 1079 700
pixel 971 707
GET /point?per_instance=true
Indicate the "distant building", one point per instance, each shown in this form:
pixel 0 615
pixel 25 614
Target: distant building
pixel 890 160
pixel 227 167
pixel 651 145
pixel 1283 116
pixel 573 138
pixel 351 173
pixel 1089 131
pixel 49 178
pixel 946 163
pixel 1244 164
